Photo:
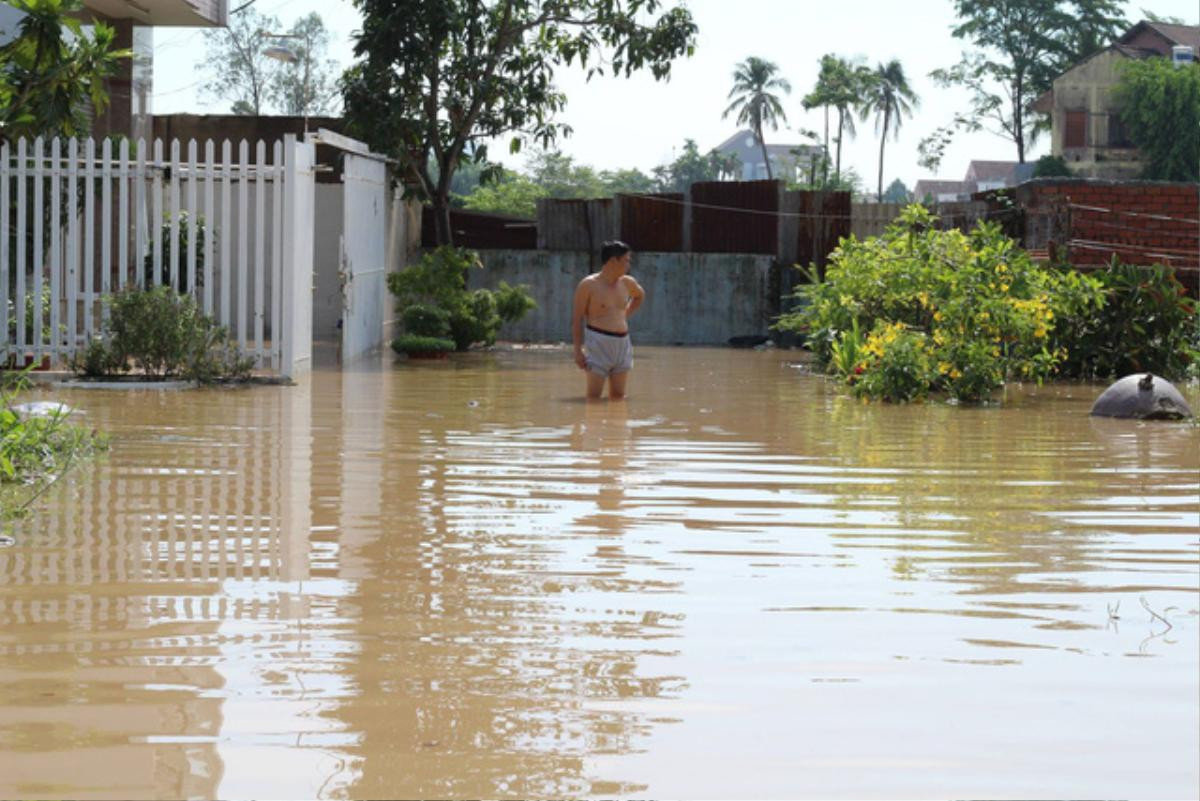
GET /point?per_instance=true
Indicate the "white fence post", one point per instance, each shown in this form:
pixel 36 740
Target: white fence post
pixel 296 328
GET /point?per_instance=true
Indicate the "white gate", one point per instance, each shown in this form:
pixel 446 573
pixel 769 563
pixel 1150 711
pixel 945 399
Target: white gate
pixel 77 225
pixel 362 267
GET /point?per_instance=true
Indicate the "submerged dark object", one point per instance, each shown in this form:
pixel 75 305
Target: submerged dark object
pixel 1143 396
pixel 748 340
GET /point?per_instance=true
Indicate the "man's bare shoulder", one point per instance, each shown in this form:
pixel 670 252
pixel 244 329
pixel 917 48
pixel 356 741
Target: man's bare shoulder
pixel 589 280
pixel 630 282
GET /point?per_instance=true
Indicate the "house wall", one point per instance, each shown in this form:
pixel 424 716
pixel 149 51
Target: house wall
pixel 691 298
pixel 1089 87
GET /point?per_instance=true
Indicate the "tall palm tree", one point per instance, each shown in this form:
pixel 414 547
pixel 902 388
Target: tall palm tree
pixel 890 99
pixel 840 85
pixel 754 81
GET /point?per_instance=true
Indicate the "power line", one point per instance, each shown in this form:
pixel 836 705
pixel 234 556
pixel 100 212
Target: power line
pixel 802 215
pixel 1143 214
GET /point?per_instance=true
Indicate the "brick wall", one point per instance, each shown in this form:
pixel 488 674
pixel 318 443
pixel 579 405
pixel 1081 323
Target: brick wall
pixel 1142 222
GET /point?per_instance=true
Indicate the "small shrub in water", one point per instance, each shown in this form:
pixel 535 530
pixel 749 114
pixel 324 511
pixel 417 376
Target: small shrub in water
pixel 163 334
pixel 34 449
pixel 415 345
pixel 1147 324
pixel 440 280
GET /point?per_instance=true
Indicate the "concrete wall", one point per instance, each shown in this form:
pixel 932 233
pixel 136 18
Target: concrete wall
pixel 1088 87
pixel 691 298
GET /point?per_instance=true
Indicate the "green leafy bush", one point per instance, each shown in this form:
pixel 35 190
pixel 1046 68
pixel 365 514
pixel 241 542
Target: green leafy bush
pixel 34 450
pixel 162 334
pixel 440 280
pixel 424 320
pixel 416 345
pixel 1051 167
pixel 946 311
pixel 1147 323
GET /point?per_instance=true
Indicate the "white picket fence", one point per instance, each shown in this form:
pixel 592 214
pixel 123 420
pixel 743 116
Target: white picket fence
pixel 79 225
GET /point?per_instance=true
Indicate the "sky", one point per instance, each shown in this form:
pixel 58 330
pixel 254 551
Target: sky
pixel 637 122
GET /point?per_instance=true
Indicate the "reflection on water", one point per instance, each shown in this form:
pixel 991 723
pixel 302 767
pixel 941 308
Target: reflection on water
pixel 459 580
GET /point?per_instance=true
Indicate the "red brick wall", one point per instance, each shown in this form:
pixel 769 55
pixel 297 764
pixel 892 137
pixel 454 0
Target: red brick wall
pixel 1142 222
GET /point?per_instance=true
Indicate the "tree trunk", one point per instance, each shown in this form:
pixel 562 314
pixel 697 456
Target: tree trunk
pixel 763 145
pixel 882 142
pixel 825 155
pixel 837 171
pixel 440 207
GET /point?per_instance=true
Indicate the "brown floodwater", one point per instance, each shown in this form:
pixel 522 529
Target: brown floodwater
pixel 457 579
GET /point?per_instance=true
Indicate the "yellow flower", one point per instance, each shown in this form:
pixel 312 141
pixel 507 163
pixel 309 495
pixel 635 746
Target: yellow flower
pixel 943 367
pixel 956 373
pixel 924 298
pixel 937 315
pixel 983 316
pixel 1004 287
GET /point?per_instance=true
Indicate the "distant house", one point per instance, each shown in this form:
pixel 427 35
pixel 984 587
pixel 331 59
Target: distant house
pixel 981 176
pixel 788 162
pixel 1084 114
pixel 941 191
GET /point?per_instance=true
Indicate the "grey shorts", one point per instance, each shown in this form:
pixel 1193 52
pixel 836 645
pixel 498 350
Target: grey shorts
pixel 607 353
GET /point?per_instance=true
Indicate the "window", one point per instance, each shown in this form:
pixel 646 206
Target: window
pixel 1075 134
pixel 1117 135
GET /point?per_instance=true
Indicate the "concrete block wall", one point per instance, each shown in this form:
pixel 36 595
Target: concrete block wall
pixel 691 298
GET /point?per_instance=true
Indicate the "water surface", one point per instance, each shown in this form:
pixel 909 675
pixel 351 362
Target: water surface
pixel 457 579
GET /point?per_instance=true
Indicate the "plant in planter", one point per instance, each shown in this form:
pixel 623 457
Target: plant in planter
pixel 439 280
pixel 162 334
pixel 427 328
pixel 180 246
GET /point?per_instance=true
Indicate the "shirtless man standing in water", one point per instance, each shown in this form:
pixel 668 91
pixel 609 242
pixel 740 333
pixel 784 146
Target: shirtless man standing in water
pixel 606 299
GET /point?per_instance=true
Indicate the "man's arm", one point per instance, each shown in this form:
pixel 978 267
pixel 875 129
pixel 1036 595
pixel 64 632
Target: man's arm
pixel 636 295
pixel 582 294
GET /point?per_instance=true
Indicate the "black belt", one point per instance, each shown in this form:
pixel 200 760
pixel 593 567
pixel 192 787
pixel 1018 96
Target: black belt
pixel 608 333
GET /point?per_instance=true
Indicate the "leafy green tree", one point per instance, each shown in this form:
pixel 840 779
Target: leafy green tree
pixel 630 181
pixel 1022 45
pixel 896 192
pixel 307 85
pixel 840 85
pixel 890 99
pixel 692 166
pixel 753 97
pixel 1160 108
pixel 435 78
pixel 561 177
pixel 52 73
pixel 514 194
pixel 234 67
pixel 932 148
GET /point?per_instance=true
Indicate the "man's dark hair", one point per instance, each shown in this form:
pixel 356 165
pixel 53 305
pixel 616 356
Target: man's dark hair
pixel 613 249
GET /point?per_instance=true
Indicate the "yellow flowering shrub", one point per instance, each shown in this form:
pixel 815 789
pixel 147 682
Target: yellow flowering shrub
pixel 954 312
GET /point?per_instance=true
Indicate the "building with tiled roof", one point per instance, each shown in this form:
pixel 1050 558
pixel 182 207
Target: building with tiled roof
pixel 1086 129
